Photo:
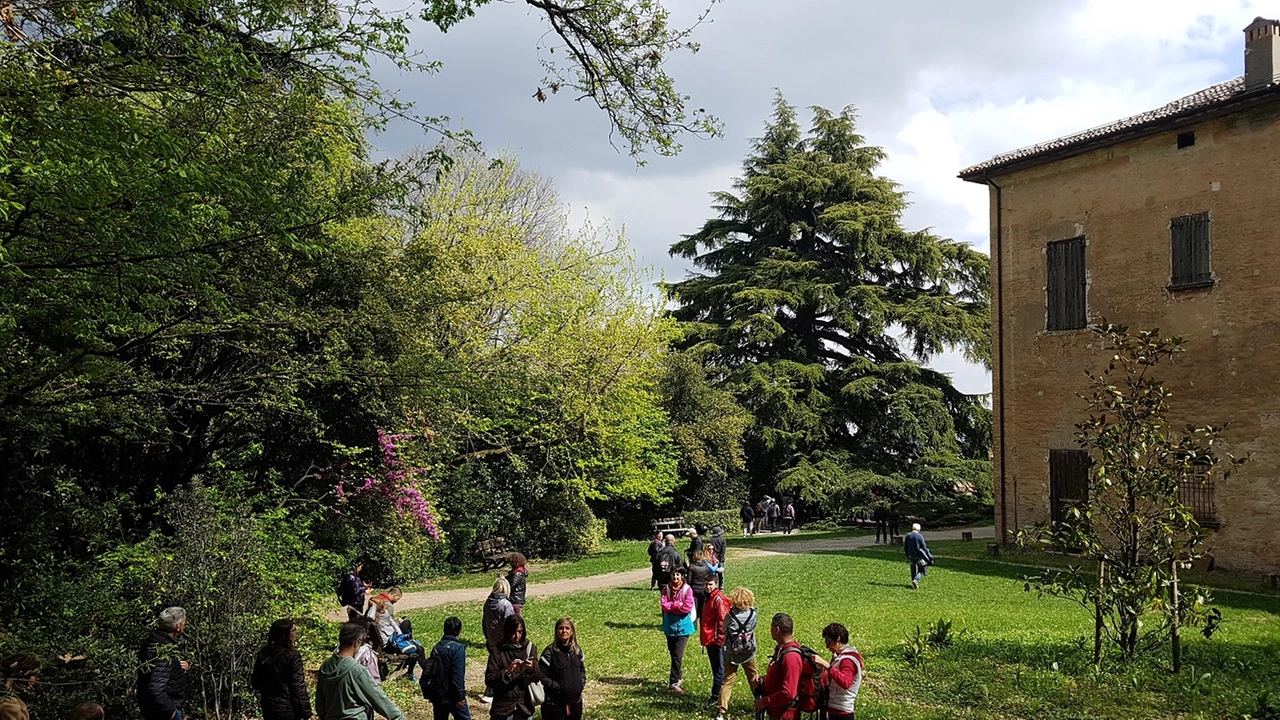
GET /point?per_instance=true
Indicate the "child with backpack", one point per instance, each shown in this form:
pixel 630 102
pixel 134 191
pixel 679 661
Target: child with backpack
pixel 843 673
pixel 739 645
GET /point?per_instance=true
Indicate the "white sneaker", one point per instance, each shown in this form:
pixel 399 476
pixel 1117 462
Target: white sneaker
pixel 485 700
pixel 719 716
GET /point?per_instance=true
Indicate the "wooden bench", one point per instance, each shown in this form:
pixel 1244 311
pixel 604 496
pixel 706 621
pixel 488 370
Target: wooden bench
pixel 670 526
pixel 491 553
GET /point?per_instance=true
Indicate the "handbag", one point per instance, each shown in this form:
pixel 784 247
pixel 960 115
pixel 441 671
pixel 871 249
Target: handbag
pixel 537 693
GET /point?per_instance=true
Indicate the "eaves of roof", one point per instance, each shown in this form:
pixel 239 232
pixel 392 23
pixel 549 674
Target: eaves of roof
pixel 1221 99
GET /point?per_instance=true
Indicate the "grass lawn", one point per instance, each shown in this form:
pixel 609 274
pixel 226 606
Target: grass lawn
pixel 1017 657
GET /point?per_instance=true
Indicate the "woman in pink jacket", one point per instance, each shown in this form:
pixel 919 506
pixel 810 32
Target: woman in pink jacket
pixel 677 623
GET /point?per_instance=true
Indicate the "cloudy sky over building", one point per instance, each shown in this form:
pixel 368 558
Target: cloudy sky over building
pixel 940 84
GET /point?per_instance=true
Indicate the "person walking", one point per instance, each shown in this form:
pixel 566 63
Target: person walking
pixel 497 608
pixel 748 517
pixel 780 687
pixel 713 613
pixel 739 645
pixel 844 672
pixel 516 579
pixel 161 674
pixel 678 612
pixel 788 518
pixel 918 555
pixel 721 546
pixel 510 671
pixel 278 676
pixel 655 547
pixel 564 675
pixel 344 690
pixel 453 655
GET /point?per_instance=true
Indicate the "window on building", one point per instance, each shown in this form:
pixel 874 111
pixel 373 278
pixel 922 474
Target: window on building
pixel 1189 241
pixel 1066 285
pixel 1196 492
pixel 1186 139
pixel 1068 481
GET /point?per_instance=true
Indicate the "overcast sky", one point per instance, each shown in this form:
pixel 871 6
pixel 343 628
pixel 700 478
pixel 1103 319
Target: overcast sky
pixel 939 84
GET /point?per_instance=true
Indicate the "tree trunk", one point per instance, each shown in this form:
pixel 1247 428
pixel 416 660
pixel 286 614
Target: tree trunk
pixel 1098 616
pixel 1176 617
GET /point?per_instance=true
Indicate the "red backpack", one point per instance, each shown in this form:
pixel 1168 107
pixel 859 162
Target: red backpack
pixel 812 694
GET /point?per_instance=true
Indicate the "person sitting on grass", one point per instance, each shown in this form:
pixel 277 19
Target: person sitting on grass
pixel 677 624
pixel 844 671
pixel 563 674
pixel 780 686
pixel 344 690
pixel 516 579
pixel 510 671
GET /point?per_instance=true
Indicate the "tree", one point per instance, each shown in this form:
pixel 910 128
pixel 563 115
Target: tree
pixel 1133 529
pixel 806 276
pixel 707 424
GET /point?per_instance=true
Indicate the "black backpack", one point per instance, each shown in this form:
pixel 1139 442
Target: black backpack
pixel 435 678
pixel 740 641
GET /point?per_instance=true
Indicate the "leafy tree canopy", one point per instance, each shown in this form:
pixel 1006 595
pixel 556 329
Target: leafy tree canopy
pixel 816 307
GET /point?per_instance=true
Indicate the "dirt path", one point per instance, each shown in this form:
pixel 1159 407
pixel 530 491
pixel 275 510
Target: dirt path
pixel 433 598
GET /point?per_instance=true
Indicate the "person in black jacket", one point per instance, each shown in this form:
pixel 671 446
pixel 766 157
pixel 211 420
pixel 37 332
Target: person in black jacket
pixel 161 681
pixel 278 675
pixel 453 654
pixel 669 559
pixel 655 547
pixel 509 672
pixel 748 517
pixel 563 674
pixel 722 548
pixel 516 578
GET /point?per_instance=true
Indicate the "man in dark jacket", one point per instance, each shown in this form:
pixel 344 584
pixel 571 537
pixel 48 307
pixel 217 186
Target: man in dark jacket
pixel 655 547
pixel 748 518
pixel 695 544
pixel 161 681
pixel 917 554
pixel 669 558
pixel 721 546
pixel 453 654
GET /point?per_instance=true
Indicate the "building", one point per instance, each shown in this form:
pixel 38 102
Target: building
pixel 1167 219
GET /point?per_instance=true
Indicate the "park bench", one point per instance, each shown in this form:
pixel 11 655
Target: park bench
pixel 491 553
pixel 670 526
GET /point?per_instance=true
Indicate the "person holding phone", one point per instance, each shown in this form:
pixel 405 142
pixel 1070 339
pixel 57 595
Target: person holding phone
pixel 510 671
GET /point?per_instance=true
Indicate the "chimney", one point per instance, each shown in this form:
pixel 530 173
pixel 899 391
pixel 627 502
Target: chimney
pixel 1261 53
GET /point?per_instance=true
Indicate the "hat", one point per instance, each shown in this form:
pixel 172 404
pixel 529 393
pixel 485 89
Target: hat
pixel 717 531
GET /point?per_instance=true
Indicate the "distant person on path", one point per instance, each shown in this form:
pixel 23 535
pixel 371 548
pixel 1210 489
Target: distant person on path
pixel 497 608
pixel 509 672
pixel 918 554
pixel 516 579
pixel 669 560
pixel 881 516
pixel 344 690
pixel 748 517
pixel 739 645
pixel 161 674
pixel 721 546
pixel 773 516
pixel 453 654
pixel 564 675
pixel 352 593
pixel 789 518
pixel 713 612
pixel 278 676
pixel 895 520
pixel 781 683
pixel 844 672
pixel 700 572
pixel 655 547
pixel 395 633
pixel 677 624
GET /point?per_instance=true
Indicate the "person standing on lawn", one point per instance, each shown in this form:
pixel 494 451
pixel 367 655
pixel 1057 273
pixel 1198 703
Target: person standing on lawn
pixel 655 547
pixel 714 611
pixel 895 520
pixel 695 544
pixel 700 571
pixel 669 559
pixel 161 674
pixel 721 546
pixel 510 671
pixel 780 687
pixel 918 554
pixel 773 512
pixel 789 518
pixel 453 654
pixel 564 675
pixel 739 646
pixel 844 672
pixel 881 516
pixel 677 624
pixel 516 579
pixel 344 690
pixel 278 675
pixel 497 608
pixel 748 516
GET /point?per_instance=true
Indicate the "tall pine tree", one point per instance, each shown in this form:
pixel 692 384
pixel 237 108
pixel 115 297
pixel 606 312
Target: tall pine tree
pixel 816 307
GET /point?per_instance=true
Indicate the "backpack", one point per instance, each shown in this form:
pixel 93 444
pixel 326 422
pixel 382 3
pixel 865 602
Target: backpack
pixel 812 694
pixel 435 678
pixel 741 642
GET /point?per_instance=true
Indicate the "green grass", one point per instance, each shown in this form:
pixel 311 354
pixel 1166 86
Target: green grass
pixel 1017 657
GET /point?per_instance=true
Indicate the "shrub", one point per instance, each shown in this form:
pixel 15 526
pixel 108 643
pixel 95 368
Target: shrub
pixel 726 519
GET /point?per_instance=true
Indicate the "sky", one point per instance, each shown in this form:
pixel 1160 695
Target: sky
pixel 939 84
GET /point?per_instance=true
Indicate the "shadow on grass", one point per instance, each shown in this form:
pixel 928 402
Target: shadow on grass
pixel 631 626
pixel 619 680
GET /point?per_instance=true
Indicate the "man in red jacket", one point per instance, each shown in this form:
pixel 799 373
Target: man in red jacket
pixel 714 611
pixel 781 683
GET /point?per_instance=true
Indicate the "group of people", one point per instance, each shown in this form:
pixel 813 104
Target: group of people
pixel 768 514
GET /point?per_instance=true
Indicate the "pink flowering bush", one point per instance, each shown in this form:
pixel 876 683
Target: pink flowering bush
pixel 397 482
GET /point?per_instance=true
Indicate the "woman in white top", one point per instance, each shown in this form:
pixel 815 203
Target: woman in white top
pixel 845 671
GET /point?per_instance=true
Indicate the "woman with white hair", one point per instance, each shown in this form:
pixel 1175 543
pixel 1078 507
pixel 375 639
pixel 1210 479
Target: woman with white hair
pixel 497 608
pixel 918 554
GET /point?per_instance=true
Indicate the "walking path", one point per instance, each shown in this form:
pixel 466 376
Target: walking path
pixel 432 598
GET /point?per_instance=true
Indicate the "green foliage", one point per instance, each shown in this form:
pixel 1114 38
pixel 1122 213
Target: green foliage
pixel 727 520
pixel 707 425
pixel 1134 526
pixel 806 282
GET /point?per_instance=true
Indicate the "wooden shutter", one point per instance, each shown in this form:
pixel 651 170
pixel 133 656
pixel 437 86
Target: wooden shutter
pixel 1189 247
pixel 1068 481
pixel 1066 285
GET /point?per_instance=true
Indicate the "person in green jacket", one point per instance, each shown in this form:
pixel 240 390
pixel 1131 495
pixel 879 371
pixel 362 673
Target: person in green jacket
pixel 344 689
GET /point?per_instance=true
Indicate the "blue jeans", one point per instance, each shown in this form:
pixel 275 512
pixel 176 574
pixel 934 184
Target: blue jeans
pixel 917 570
pixel 715 653
pixel 444 710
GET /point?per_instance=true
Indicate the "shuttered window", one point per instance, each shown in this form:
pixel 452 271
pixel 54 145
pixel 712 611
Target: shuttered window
pixel 1066 286
pixel 1068 481
pixel 1196 492
pixel 1189 240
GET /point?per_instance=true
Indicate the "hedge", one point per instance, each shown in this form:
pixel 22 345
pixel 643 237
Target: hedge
pixel 726 519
